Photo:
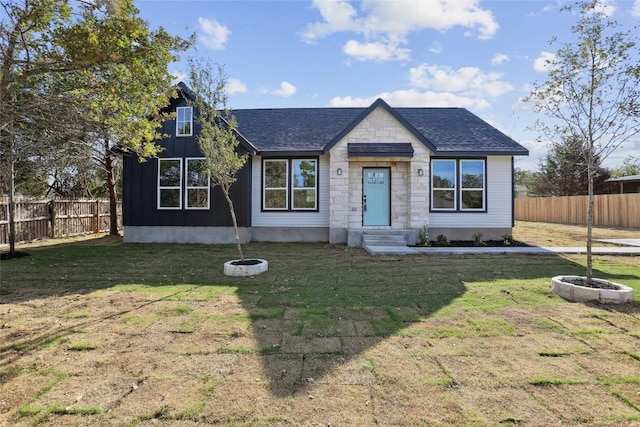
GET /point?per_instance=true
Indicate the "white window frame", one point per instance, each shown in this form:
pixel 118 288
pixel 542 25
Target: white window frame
pixel 172 187
pixel 195 187
pixel 483 189
pixel 180 122
pixel 454 188
pixel 265 188
pixel 294 188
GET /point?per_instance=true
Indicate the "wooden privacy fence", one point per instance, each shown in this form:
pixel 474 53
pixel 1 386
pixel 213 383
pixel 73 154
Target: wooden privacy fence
pixel 38 219
pixel 612 210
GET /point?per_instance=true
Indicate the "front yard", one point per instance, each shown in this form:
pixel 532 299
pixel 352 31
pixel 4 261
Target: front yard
pixel 97 332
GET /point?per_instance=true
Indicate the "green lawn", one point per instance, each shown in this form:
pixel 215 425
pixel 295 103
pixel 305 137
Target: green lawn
pixel 99 332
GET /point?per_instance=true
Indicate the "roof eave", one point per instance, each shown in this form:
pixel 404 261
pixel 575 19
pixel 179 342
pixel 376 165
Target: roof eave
pixel 290 153
pixel 480 153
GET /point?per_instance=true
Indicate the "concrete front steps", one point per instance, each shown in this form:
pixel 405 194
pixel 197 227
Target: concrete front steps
pixel 374 240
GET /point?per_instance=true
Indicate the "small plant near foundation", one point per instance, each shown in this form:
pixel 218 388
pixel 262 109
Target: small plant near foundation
pixel 442 240
pixel 477 240
pixel 507 240
pixel 423 236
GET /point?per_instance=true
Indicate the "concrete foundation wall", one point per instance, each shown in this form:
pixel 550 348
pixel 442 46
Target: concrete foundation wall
pixel 338 235
pixel 468 233
pixel 290 234
pixel 209 235
pixel 222 235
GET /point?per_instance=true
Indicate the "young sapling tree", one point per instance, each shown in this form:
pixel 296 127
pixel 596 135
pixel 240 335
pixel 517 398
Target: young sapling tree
pixel 218 136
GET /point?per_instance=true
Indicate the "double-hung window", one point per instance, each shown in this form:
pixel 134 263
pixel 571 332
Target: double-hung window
pixel 458 185
pixel 472 184
pixel 275 190
pixel 304 183
pixel 169 183
pixel 184 121
pixel 443 185
pixel 197 185
pixel 289 184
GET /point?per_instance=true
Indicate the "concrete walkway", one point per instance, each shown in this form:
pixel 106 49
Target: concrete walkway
pixel 627 242
pixel 533 250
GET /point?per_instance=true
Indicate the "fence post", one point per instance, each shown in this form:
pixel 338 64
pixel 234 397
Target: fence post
pixel 97 229
pixel 52 217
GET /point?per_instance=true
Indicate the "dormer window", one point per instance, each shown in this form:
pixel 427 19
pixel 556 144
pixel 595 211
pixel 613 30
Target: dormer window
pixel 184 121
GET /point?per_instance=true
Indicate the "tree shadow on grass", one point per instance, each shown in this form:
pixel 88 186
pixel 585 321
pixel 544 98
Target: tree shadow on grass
pixel 317 307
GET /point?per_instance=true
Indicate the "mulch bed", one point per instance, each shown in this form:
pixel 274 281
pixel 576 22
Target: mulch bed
pixel 472 244
pixel 595 283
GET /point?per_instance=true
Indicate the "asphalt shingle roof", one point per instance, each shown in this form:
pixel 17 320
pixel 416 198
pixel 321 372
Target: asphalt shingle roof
pixel 293 129
pixel 450 131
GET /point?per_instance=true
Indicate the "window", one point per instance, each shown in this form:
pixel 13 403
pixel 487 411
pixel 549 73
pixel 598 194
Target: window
pixel 290 184
pixel 169 183
pixel 184 121
pixel 472 184
pixel 458 185
pixel 197 186
pixel 443 185
pixel 304 184
pixel 275 184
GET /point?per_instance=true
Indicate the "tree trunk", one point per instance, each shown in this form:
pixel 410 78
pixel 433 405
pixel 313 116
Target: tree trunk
pixel 111 185
pixel 232 211
pixel 12 199
pixel 590 216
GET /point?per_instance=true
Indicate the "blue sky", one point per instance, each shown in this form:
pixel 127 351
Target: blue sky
pixel 480 55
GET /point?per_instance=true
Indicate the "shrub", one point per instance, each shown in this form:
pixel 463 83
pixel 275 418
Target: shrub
pixel 477 240
pixel 423 236
pixel 507 240
pixel 442 240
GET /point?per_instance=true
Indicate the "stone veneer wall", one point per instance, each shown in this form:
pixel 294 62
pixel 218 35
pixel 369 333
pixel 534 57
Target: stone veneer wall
pixel 409 192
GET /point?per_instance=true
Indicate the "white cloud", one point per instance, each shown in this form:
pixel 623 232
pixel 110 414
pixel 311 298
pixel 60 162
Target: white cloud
pixel 286 90
pixel 375 51
pixel 236 86
pixel 467 81
pixel 606 7
pixel 499 59
pixel 213 34
pixel 338 16
pixel 544 62
pixel 388 23
pixel 413 98
pixel 636 9
pixel 537 150
pixel 437 47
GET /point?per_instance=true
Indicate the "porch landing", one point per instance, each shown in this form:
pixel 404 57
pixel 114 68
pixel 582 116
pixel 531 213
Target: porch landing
pixel 370 239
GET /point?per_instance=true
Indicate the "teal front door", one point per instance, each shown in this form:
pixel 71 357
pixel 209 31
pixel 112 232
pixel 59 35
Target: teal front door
pixel 376 196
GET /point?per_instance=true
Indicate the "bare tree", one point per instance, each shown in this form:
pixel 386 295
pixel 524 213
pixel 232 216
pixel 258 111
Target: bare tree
pixel 592 92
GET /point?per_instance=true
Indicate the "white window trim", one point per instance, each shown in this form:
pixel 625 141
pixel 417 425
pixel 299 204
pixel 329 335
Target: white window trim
pixel 265 188
pixel 178 187
pixel 483 189
pixel 294 188
pixel 188 187
pixel 454 188
pixel 179 122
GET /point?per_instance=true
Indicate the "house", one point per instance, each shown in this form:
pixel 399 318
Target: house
pixel 626 184
pixel 330 175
